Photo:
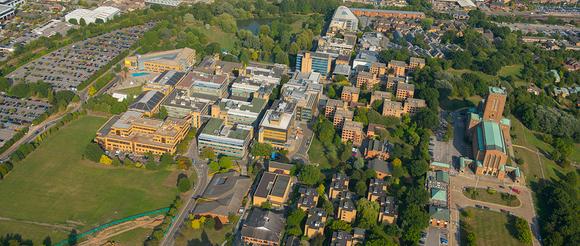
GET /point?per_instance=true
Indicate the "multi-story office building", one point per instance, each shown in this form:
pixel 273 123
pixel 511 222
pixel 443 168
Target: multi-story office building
pixel 413 105
pixel 277 125
pixel 314 62
pixel 224 139
pixel 179 60
pixel 352 131
pixel 238 112
pixel 134 133
pixel 305 90
pixel 180 105
pixel 273 188
pixel 12 3
pixel 350 94
pixel 207 85
pixel 392 81
pixel 223 196
pixel 245 88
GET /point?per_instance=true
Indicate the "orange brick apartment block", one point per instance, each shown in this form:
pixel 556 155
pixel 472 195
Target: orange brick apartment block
pixel 350 94
pixel 398 68
pixel 352 131
pixel 404 91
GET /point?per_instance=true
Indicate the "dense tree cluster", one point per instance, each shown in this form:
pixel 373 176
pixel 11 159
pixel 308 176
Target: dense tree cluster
pixel 558 211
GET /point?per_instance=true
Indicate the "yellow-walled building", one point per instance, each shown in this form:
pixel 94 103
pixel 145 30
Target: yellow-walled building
pixel 178 60
pixel 132 132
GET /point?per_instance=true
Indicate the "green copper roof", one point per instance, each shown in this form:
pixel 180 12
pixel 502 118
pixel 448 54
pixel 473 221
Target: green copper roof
pixel 496 90
pixel 437 194
pixel 506 121
pixel 442 176
pixel 492 136
pixel 440 164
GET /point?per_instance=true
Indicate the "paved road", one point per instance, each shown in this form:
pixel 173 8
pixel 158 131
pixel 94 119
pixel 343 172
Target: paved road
pixel 201 170
pixel 526 210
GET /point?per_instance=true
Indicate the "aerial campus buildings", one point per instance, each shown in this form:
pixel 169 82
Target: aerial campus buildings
pixel 178 60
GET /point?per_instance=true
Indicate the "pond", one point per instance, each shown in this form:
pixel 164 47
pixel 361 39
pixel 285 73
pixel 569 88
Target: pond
pixel 253 25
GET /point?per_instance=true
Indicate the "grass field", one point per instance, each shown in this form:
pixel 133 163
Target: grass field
pixel 189 236
pixel 512 70
pixel 490 227
pixel 133 237
pixel 53 185
pixel 484 196
pixel 532 167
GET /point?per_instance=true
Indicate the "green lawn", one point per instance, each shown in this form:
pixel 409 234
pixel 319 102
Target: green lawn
pixel 531 166
pixel 133 237
pixel 490 227
pixel 36 233
pixel 316 154
pixel 133 91
pixel 204 236
pixel 455 103
pixel 215 34
pixel 484 196
pixel 512 70
pixel 53 185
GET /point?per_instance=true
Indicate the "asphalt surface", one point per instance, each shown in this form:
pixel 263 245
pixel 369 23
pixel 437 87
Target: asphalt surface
pixel 201 170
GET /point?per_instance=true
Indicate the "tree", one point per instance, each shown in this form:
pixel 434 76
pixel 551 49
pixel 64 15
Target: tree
pixel 310 175
pixel 183 184
pixel 207 153
pixel 414 220
pixel 47 241
pixel 73 21
pixel 82 22
pixel 418 167
pixel 262 150
pixel 183 163
pixel 294 222
pixel 93 152
pixel 162 114
pixel 340 225
pixel 367 213
pixel 105 160
pixel 522 230
pixel 213 48
pixel 226 163
pixel 426 118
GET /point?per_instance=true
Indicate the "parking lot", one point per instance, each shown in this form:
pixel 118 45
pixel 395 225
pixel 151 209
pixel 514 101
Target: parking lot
pixel 434 237
pixel 69 66
pixel 448 152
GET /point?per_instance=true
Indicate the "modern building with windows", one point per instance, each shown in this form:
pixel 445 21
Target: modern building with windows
pixel 277 125
pixel 164 82
pixel 314 62
pixel 226 140
pixel 179 60
pixel 6 12
pixel 180 105
pixel 134 133
pixel 171 3
pixel 238 112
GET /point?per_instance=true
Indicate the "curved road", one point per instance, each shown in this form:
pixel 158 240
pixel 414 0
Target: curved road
pixel 202 172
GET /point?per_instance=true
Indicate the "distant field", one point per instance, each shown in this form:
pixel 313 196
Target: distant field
pixel 53 185
pixel 512 70
pixel 491 228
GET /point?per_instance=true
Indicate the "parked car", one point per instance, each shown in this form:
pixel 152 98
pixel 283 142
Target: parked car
pixel 516 190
